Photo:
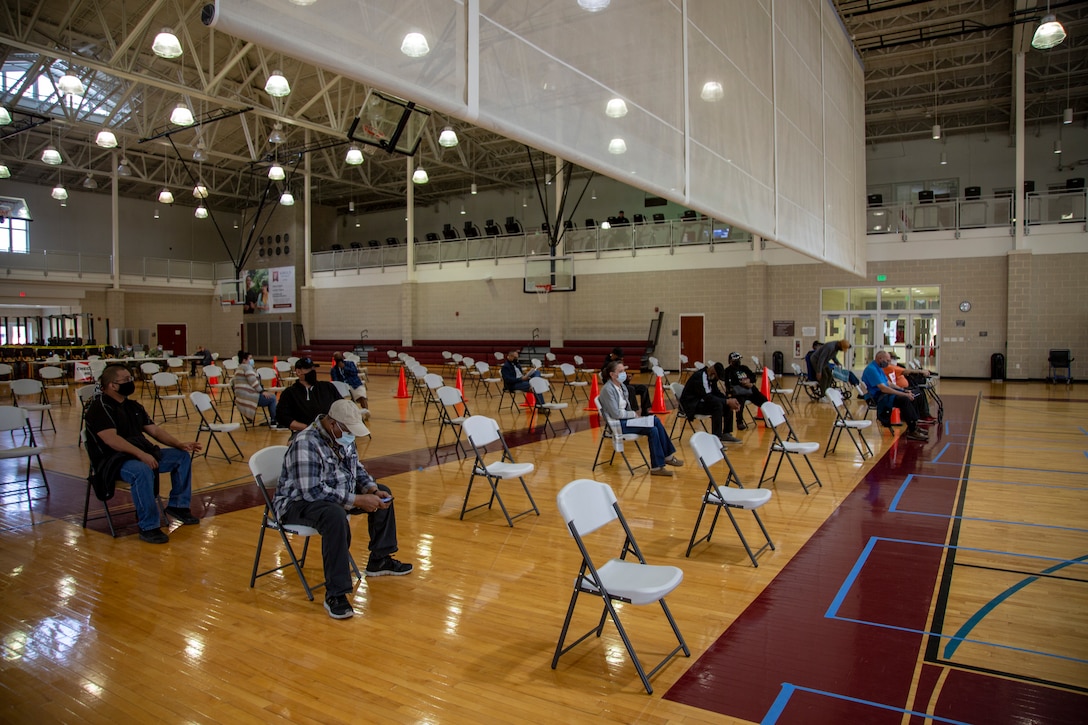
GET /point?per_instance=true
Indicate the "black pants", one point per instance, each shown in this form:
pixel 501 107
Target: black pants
pixel 331 521
pixel 752 395
pixel 716 407
pixel 641 393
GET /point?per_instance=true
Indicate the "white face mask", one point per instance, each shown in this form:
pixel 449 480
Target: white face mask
pixel 622 377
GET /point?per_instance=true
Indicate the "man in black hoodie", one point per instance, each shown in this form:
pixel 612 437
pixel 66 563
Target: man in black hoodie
pixel 306 399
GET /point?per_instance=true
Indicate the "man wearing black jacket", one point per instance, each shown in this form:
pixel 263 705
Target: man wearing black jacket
pixel 741 382
pixel 703 395
pixel 306 399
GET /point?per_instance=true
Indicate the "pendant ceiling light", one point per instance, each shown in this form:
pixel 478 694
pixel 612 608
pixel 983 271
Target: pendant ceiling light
pixel 447 139
pixel 420 176
pixel 69 85
pixel 156 213
pixel 1058 146
pixel 51 156
pixel 59 192
pixel 462 210
pixel 182 116
pixel 5 116
pixel 201 212
pixel 1049 33
pixel 287 199
pixel 5 172
pixel 165 197
pixel 277 86
pixel 944 159
pixel 593 6
pixel 617 146
pixel 200 191
pixel 712 91
pixel 354 156
pixel 303 3
pixel 106 139
pixel 616 108
pixel 473 188
pixel 166 44
pixel 123 169
pixel 200 154
pixel 415 45
pixel 90 183
pixel 277 134
pixel 275 172
pixel 1067 116
pixel 936 132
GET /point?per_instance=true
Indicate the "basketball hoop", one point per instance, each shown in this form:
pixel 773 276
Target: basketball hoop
pixel 542 291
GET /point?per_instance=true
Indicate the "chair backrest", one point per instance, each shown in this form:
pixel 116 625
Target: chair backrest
pixel 539 386
pixel 457 358
pixel 707 448
pixel 392 354
pixel 835 397
pixel 483 367
pixel 683 359
pixel 342 388
pixel 468 362
pixel 549 356
pixel 447 355
pixel 212 371
pixel 51 373
pixel 6 369
pixel 86 392
pixel 773 414
pixel 658 371
pixel 266 374
pixel 499 356
pixel 796 369
pixel 578 360
pixel 699 365
pixel 26 386
pixel 433 380
pixel 268 463
pixel 230 364
pixel 351 357
pixel 201 401
pixel 149 368
pixel 770 374
pixel 653 361
pixel 11 418
pixel 567 369
pixel 863 389
pixel 449 395
pixel 586 505
pixel 164 380
pixel 481 430
pixel 282 366
pixel 175 362
pixel 755 360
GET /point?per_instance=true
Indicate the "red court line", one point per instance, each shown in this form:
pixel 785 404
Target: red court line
pixel 783 636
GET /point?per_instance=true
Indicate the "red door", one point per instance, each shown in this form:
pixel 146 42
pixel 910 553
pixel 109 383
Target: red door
pixel 172 337
pixel 691 339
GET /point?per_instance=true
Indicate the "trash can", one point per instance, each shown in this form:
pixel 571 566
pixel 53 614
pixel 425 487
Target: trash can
pixel 997 368
pixel 778 363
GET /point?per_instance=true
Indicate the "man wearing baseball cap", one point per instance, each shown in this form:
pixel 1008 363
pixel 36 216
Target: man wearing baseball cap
pixel 741 382
pixel 321 482
pixel 306 398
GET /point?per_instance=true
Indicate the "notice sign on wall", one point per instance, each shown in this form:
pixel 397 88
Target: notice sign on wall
pixel 270 291
pixel 783 328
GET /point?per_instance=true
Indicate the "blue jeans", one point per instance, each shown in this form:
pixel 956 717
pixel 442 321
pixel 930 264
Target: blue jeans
pixel 661 446
pixel 267 400
pixel 144 482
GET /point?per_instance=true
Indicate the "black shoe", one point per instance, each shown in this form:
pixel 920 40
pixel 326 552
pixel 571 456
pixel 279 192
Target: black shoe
pixel 339 607
pixel 916 435
pixel 183 515
pixel 154 536
pixel 729 438
pixel 388 567
pixel 741 425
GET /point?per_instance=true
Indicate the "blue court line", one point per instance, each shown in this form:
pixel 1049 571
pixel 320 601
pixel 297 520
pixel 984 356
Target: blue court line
pixel 1017 468
pixel 894 508
pixel 943 451
pixel 1001 481
pixel 780 702
pixel 978 616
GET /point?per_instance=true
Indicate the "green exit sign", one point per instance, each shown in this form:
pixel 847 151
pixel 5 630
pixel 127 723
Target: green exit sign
pixel 882 278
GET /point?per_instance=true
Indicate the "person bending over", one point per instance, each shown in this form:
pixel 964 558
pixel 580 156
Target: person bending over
pixel 703 395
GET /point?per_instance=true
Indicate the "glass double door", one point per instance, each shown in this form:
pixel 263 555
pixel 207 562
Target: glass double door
pixel 912 336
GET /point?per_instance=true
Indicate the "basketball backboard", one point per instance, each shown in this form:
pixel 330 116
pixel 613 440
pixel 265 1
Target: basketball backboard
pixel 390 123
pixel 14 208
pixel 558 272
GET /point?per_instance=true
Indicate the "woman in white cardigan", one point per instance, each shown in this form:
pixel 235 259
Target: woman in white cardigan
pixel 616 405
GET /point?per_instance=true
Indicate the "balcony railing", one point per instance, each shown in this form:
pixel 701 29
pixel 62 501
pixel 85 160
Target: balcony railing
pixel 46 261
pixel 985 212
pixel 627 238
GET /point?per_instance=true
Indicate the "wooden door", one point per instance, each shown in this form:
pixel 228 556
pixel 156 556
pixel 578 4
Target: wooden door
pixel 172 337
pixel 691 339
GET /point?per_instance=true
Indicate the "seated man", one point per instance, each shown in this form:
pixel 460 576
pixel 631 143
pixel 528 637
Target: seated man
pixel 887 395
pixel 205 359
pixel 249 391
pixel 740 380
pixel 307 398
pixel 810 368
pixel 824 359
pixel 118 449
pixel 911 380
pixel 703 395
pixel 636 391
pixel 347 372
pixel 321 482
pixel 512 376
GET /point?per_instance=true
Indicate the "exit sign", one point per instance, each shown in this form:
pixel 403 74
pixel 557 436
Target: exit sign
pixel 882 278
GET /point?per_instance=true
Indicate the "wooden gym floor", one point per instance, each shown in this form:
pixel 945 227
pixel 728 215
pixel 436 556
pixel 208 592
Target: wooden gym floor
pixel 938 582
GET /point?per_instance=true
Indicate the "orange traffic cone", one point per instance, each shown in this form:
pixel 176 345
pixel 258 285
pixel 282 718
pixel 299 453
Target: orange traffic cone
pixel 402 386
pixel 276 380
pixel 896 419
pixel 530 401
pixel 659 398
pixel 765 388
pixel 594 391
pixel 460 383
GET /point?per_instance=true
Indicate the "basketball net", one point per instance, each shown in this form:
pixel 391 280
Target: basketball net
pixel 542 291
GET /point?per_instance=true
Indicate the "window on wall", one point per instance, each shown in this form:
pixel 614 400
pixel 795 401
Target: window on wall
pixel 14 235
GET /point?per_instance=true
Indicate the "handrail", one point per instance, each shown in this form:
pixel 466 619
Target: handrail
pixel 1059 207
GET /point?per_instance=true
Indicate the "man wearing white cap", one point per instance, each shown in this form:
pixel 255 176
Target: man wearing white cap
pixel 322 480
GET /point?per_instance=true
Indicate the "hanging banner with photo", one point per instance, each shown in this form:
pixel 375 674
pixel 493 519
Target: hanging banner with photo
pixel 270 291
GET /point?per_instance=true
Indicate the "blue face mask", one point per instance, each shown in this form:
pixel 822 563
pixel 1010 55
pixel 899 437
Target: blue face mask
pixel 882 364
pixel 347 439
pixel 622 377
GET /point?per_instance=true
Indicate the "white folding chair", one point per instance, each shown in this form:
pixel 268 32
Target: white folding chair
pixel 85 394
pixel 572 383
pixel 53 378
pixel 342 388
pixel 7 372
pixel 269 378
pixel 285 370
pixel 266 465
pixel 682 415
pixel 846 422
pixel 611 430
pixel 29 394
pixel 487 379
pixel 217 382
pixel 666 385
pixel 15 419
pixel 481 432
pixel 587 506
pixel 708 449
pixel 214 427
pixel 448 400
pixel 168 389
pixel 546 403
pixel 784 395
pixel 147 371
pixel 176 366
pixel 431 383
pixel 786 446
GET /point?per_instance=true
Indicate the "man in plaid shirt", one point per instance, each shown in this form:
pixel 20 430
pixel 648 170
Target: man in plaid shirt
pixel 321 482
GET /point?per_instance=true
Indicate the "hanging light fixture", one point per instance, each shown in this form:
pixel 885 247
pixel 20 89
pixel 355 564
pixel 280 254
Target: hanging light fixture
pixel 420 176
pixel 936 132
pixel 235 223
pixel 944 159
pixel 200 154
pixel 415 45
pixel 90 183
pixel 712 91
pixel 277 85
pixel 166 44
pixel 1058 146
pixel 593 6
pixel 616 108
pixel 275 172
pixel 201 212
pixel 156 213
pixel 5 173
pixel 447 139
pixel 165 197
pixel 593 194
pixel 473 188
pixel 51 156
pixel 354 156
pixel 122 168
pixel 462 210
pixel 286 198
pixel 59 192
pixel 182 116
pixel 106 139
pixel 200 191
pixel 303 3
pixel 617 146
pixel 1049 33
pixel 5 116
pixel 1067 116
pixel 70 85
pixel 277 134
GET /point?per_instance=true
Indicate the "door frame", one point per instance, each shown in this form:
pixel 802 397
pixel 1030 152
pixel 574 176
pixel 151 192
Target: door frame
pixel 691 316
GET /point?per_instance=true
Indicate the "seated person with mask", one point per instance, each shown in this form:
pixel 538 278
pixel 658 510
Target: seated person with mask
pixel 513 377
pixel 740 380
pixel 249 392
pixel 703 395
pixel 887 395
pixel 307 398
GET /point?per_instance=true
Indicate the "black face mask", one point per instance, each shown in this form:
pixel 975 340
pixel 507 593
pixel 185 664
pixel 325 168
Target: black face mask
pixel 310 377
pixel 126 389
